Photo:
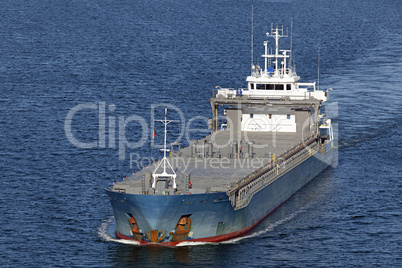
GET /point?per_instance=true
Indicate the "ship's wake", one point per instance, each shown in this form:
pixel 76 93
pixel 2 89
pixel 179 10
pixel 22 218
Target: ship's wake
pixel 251 234
pixel 103 233
pixel 236 240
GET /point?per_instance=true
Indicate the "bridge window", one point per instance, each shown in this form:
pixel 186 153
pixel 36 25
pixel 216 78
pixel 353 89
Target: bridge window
pixel 272 87
pixel 252 86
pixel 260 86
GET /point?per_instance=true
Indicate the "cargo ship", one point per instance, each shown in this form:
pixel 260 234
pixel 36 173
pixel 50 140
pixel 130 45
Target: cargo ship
pixel 266 142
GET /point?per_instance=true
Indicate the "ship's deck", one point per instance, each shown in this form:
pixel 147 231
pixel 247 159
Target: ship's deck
pixel 211 168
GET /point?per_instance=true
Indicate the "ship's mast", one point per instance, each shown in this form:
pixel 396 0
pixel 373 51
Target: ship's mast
pixel 165 161
pixel 276 33
pixel 252 37
pixel 291 42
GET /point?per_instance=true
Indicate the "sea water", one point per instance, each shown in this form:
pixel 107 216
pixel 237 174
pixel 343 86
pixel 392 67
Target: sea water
pixel 120 57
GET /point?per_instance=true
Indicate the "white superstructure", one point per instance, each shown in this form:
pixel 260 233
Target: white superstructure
pixel 277 80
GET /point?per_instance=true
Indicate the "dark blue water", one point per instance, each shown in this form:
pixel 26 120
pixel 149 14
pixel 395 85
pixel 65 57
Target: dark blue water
pixel 55 55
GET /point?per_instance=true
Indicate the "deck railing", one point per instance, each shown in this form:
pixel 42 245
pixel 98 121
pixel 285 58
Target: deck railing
pixel 242 191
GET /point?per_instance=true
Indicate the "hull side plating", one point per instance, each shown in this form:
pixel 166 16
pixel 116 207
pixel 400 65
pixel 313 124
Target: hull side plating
pixel 212 216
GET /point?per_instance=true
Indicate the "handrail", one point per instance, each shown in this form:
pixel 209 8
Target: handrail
pixel 241 193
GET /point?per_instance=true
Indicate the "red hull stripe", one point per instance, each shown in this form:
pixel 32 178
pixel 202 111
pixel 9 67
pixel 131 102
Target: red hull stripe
pixel 210 239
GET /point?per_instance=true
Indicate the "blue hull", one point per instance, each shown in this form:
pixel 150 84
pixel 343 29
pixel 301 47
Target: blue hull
pixel 212 216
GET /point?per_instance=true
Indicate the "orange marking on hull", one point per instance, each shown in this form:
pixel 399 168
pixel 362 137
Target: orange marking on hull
pixel 154 236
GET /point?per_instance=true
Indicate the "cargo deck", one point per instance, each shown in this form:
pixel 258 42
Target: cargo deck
pixel 214 172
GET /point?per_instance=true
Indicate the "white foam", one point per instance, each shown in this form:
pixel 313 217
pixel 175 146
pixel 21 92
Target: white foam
pixel 105 236
pixel 269 228
pixel 194 243
pixel 240 238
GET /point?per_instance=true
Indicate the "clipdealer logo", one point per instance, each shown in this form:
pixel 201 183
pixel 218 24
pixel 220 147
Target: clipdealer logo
pixel 100 142
pixel 109 124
